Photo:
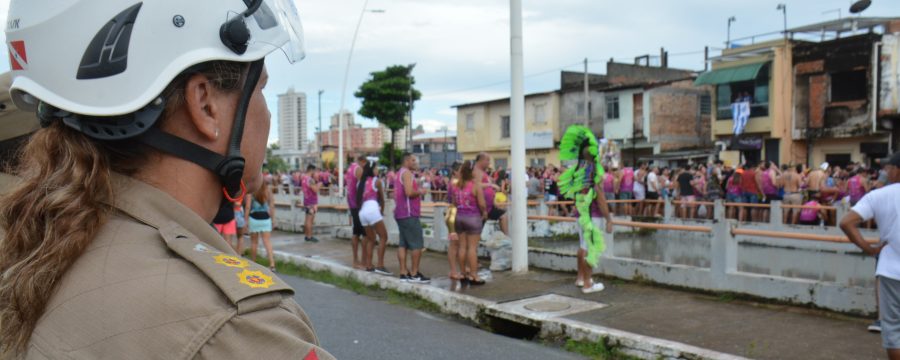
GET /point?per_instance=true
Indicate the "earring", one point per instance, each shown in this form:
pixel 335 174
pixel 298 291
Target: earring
pixel 217 134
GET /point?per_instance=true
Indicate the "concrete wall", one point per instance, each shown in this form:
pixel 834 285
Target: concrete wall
pixel 621 128
pixel 487 135
pixel 834 276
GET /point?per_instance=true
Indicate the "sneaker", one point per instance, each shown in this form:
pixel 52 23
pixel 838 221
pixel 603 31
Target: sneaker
pixel 312 239
pixel 875 327
pixel 419 279
pixel 383 271
pixel 597 287
pixel 404 277
pixel 370 270
pixel 579 283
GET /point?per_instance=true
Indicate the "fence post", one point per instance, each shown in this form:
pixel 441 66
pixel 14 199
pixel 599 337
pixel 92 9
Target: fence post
pixel 440 232
pixel 543 209
pixel 840 212
pixel 775 214
pixel 609 239
pixel 668 210
pixel 723 256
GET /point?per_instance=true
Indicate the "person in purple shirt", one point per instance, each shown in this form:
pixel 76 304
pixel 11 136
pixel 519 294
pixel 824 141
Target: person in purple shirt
pixel 310 201
pixel 407 200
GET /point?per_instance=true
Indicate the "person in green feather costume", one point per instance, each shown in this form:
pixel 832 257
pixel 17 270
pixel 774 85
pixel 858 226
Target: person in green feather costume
pixel 582 183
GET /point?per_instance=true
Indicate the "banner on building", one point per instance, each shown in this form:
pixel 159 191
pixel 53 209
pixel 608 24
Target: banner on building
pixel 890 74
pixel 539 140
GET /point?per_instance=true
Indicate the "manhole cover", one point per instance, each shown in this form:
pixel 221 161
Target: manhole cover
pixel 548 306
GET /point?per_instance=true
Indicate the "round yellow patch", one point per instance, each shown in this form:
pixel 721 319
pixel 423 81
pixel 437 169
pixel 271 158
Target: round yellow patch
pixel 231 261
pixel 255 279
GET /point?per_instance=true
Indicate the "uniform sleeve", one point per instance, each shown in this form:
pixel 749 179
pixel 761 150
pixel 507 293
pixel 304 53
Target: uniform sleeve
pixel 865 207
pixel 282 332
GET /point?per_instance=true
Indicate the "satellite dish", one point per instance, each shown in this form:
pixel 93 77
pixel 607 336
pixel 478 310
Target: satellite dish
pixel 860 6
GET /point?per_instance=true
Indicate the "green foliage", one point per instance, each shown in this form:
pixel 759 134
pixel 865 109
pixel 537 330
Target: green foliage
pixel 388 96
pixel 596 350
pixel 385 158
pixel 274 163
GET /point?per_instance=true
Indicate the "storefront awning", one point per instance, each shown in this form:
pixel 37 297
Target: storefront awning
pixel 730 75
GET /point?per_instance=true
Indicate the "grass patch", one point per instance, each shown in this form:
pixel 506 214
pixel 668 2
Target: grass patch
pixel 389 295
pixel 596 350
pixel 326 277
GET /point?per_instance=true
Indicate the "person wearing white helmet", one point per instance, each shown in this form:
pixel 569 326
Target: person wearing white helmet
pixel 152 117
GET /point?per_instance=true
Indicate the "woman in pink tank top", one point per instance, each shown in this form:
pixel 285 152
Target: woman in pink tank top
pixel 471 211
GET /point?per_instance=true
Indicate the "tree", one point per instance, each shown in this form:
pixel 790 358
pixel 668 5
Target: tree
pixel 388 97
pixel 274 163
pixel 388 159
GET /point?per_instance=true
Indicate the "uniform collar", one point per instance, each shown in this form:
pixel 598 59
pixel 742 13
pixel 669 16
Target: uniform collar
pixel 158 209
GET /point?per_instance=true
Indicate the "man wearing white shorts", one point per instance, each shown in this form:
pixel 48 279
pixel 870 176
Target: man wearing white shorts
pixel 883 205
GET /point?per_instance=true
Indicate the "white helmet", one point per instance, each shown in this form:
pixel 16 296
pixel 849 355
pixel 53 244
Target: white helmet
pixel 113 57
pixel 100 66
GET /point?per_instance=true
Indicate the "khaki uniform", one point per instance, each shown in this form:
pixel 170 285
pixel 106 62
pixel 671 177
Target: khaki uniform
pixel 158 282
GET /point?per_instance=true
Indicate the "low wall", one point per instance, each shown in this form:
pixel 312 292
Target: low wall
pixel 831 275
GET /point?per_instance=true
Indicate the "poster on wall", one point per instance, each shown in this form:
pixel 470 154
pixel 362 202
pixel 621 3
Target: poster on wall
pixel 890 74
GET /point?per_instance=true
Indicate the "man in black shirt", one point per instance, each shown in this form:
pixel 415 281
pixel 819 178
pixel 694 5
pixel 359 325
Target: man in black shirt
pixel 686 192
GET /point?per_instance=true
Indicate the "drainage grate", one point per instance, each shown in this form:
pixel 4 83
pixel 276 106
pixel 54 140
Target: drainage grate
pixel 547 307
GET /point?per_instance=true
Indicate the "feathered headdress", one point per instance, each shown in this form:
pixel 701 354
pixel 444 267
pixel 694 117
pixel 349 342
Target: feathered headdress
pixel 573 143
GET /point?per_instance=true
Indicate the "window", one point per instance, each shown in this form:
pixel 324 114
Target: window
pixel 757 90
pixel 705 105
pixel 538 163
pixel 841 160
pixel 612 107
pixel 500 163
pixel 470 122
pixel 848 86
pixel 504 127
pixel 540 117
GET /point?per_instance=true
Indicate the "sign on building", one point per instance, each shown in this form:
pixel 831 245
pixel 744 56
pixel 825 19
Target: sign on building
pixel 539 140
pixel 890 73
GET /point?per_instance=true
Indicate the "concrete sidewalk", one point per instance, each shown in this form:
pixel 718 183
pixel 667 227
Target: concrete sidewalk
pixel 642 320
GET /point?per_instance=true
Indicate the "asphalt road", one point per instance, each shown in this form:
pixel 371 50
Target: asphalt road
pixel 352 326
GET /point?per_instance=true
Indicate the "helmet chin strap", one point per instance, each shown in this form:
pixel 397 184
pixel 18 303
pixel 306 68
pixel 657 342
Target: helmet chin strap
pixel 230 167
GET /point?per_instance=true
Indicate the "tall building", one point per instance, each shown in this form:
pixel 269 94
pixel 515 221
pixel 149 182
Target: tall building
pixel 292 120
pixel 292 127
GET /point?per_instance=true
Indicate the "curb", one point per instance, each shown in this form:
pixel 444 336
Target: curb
pixel 475 309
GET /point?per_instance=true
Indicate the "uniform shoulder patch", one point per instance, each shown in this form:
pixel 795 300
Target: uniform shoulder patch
pixel 238 278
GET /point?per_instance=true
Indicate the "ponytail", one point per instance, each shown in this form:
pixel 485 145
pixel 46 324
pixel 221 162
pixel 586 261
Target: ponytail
pixel 50 217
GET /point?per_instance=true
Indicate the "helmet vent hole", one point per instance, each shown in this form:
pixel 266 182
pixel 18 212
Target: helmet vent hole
pixel 123 132
pixel 140 124
pixel 94 129
pixel 108 131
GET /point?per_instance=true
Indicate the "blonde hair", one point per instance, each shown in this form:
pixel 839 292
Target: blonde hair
pixel 60 203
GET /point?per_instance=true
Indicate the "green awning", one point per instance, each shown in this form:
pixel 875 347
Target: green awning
pixel 730 75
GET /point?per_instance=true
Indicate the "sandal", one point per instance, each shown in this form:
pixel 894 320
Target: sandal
pixel 456 276
pixel 472 281
pixel 272 269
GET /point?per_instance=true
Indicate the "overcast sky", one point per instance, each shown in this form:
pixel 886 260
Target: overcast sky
pixel 461 47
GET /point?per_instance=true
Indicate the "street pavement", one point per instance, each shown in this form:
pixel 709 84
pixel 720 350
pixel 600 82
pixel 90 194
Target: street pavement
pixel 744 328
pixel 352 326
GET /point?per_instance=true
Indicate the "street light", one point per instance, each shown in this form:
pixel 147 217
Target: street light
pixel 783 9
pixel 344 95
pixel 838 10
pixel 728 39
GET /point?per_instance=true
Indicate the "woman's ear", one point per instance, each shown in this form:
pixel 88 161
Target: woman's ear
pixel 203 110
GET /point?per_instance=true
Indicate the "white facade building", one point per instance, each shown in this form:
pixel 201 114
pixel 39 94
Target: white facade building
pixel 292 127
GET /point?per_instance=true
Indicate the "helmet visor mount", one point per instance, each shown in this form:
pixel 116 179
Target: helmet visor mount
pixel 274 26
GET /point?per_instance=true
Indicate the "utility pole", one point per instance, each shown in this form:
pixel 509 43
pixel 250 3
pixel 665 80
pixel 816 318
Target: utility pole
pixel 518 224
pixel 587 96
pixel 319 132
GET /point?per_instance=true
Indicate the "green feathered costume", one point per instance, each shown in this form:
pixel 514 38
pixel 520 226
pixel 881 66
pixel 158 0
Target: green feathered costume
pixel 575 184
